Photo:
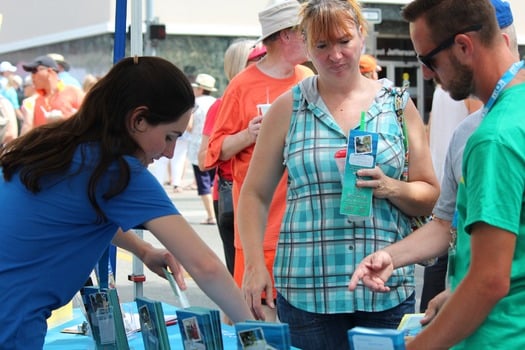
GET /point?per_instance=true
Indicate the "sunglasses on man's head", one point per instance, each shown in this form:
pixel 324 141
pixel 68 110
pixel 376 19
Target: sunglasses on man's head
pixel 428 59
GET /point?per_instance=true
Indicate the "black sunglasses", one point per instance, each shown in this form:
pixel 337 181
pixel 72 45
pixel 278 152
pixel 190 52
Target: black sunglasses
pixel 428 59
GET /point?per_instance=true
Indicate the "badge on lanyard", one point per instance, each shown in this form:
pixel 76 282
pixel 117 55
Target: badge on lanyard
pixel 356 202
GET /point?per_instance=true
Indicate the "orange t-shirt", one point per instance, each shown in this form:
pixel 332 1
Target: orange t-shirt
pixel 239 105
pixel 65 103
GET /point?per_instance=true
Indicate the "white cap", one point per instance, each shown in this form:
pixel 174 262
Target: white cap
pixel 7 67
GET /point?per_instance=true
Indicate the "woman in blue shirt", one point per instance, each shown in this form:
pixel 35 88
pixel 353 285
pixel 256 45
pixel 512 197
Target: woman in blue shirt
pixel 72 187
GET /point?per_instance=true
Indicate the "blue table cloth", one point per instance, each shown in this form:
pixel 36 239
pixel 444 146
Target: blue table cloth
pixel 55 340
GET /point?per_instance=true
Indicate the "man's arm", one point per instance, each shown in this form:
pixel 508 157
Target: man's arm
pixel 425 243
pixel 486 282
pixel 235 143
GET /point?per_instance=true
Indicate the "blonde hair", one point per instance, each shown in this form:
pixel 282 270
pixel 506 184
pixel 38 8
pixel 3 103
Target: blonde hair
pixel 236 57
pixel 328 19
pixel 89 81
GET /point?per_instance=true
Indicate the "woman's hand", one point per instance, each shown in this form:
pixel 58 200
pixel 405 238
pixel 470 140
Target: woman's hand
pixel 157 258
pixel 154 258
pixel 375 178
pixel 255 281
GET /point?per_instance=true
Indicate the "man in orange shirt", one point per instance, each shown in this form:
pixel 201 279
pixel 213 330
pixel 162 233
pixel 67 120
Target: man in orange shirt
pixel 56 100
pixel 239 120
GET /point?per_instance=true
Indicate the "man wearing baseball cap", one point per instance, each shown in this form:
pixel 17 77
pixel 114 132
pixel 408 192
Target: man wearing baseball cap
pixel 56 100
pixel 238 123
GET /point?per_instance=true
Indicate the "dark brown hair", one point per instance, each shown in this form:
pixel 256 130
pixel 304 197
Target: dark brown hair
pixel 447 17
pixel 151 82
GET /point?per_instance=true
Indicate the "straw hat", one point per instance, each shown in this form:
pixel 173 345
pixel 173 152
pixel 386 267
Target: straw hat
pixel 205 81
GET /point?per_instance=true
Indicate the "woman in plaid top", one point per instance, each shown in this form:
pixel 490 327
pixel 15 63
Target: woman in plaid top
pixel 318 247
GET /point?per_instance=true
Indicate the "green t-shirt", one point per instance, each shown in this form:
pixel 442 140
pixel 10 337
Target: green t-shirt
pixel 492 191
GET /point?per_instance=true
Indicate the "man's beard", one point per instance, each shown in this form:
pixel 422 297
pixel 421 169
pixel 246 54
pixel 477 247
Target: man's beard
pixel 461 85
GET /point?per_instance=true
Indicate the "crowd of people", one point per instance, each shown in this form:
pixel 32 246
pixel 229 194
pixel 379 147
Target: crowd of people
pixel 263 161
pixel 38 92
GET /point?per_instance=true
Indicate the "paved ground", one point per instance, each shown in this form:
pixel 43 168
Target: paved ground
pixel 190 205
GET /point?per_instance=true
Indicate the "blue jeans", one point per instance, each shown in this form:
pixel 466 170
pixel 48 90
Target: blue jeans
pixel 312 331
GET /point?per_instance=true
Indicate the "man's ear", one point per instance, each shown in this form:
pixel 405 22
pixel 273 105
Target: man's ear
pixel 284 34
pixel 506 37
pixel 464 44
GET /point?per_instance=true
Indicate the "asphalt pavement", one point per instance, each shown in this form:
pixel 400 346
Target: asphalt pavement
pixel 191 207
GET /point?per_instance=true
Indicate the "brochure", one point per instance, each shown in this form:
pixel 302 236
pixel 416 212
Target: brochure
pixel 356 202
pixel 260 335
pixel 176 290
pixel 364 338
pixel 411 324
pixel 152 324
pixel 200 328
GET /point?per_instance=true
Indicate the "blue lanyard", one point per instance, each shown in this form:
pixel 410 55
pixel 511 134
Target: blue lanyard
pixel 503 81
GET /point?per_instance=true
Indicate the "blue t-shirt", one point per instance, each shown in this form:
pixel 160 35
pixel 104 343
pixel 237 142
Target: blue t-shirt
pixel 51 240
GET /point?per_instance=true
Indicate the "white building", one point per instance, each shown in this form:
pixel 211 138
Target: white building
pixel 198 33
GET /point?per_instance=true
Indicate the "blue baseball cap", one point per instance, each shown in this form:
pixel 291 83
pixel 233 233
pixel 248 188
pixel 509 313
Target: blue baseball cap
pixel 503 13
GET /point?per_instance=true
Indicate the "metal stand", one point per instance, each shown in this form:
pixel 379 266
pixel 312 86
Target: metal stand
pixel 137 276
